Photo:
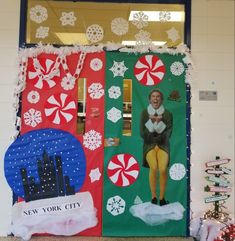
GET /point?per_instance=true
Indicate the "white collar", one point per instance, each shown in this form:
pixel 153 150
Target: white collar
pixel 152 111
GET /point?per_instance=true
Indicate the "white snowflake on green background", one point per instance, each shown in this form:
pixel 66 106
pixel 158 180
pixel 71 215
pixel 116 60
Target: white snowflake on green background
pixel 118 68
pixel 116 205
pixel 177 171
pixel 68 18
pixel 177 68
pixel 114 115
pixel 114 92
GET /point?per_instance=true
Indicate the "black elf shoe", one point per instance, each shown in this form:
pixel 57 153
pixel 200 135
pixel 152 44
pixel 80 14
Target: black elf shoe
pixel 154 201
pixel 163 202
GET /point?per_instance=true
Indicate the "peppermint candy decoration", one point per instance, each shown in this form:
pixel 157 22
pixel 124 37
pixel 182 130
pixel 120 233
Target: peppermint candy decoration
pixel 123 170
pixel 60 108
pixel 149 70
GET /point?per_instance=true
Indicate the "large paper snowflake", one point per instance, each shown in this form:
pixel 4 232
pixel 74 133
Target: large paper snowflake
pixel 68 82
pixel 92 140
pixel 94 33
pixel 177 171
pixel 96 91
pixel 114 92
pixel 119 26
pixel 114 115
pixel 164 16
pixel 118 68
pixel 68 18
pixel 140 20
pixel 96 64
pixel 173 34
pixel 116 205
pixel 177 68
pixel 38 14
pixel 32 117
pixel 33 97
pixel 42 32
pixel 143 38
pixel 95 175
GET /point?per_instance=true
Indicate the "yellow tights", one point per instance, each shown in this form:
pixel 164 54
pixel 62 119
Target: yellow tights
pixel 158 161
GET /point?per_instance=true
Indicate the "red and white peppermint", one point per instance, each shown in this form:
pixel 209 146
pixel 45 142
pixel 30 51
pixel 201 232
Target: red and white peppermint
pixel 123 170
pixel 149 70
pixel 60 108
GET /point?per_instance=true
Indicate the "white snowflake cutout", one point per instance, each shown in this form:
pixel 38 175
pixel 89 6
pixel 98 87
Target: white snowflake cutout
pixel 140 19
pixel 119 26
pixel 38 14
pixel 33 97
pixel 95 175
pixel 118 69
pixel 68 18
pixel 92 140
pixel 68 82
pixel 94 33
pixel 164 16
pixel 143 38
pixel 173 34
pixel 114 92
pixel 96 64
pixel 177 171
pixel 177 68
pixel 32 117
pixel 96 91
pixel 114 115
pixel 42 32
pixel 116 205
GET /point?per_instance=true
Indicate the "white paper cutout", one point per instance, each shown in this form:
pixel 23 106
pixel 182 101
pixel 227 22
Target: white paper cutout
pixel 116 205
pixel 119 26
pixel 92 140
pixel 118 69
pixel 94 33
pixel 143 38
pixel 68 83
pixel 42 32
pixel 164 16
pixel 33 97
pixel 38 14
pixel 173 34
pixel 95 175
pixel 177 68
pixel 96 64
pixel 32 117
pixel 114 92
pixel 114 115
pixel 68 18
pixel 137 200
pixel 140 20
pixel 96 91
pixel 177 171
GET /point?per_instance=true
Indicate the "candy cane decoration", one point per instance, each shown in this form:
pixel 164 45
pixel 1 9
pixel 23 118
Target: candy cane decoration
pixel 149 70
pixel 60 108
pixel 123 170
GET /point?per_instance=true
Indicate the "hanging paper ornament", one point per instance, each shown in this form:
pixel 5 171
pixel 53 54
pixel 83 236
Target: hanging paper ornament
pixel 177 68
pixel 96 91
pixel 60 109
pixel 92 140
pixel 149 70
pixel 45 163
pixel 33 97
pixel 42 32
pixel 94 33
pixel 123 170
pixel 140 19
pixel 114 92
pixel 173 34
pixel 118 69
pixel 116 205
pixel 38 14
pixel 96 64
pixel 119 26
pixel 177 171
pixel 114 114
pixel 32 117
pixel 68 19
pixel 95 175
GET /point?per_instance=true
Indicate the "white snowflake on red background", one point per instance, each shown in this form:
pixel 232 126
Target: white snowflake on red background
pixel 94 33
pixel 92 140
pixel 114 92
pixel 140 19
pixel 38 14
pixel 164 16
pixel 95 175
pixel 114 115
pixel 96 91
pixel 116 205
pixel 33 97
pixel 119 26
pixel 118 69
pixel 177 68
pixel 32 117
pixel 143 38
pixel 42 32
pixel 96 64
pixel 68 18
pixel 68 83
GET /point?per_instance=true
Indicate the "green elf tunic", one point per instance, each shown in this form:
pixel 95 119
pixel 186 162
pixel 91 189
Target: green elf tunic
pixel 152 139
